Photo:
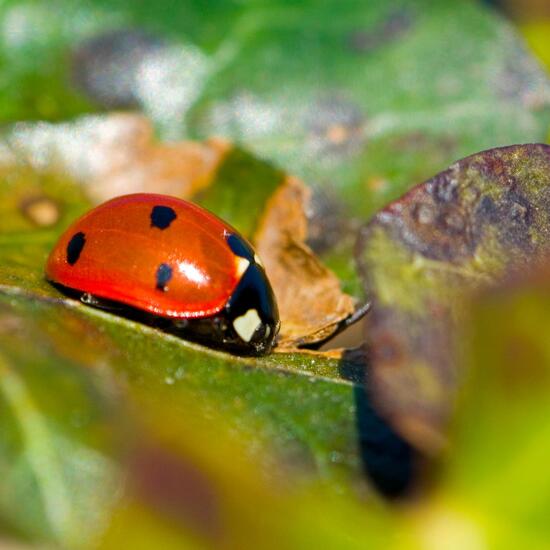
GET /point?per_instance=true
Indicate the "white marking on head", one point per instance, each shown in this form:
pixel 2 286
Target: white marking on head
pixel 258 260
pixel 246 325
pixel 242 265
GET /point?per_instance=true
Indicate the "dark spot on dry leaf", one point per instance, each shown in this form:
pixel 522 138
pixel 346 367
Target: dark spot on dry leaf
pixel 515 219
pixel 487 211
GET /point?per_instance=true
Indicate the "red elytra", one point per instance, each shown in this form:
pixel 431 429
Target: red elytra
pixel 122 250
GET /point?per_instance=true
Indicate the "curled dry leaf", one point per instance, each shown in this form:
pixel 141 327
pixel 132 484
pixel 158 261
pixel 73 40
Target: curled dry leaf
pixel 114 155
pixel 424 255
pixel 311 302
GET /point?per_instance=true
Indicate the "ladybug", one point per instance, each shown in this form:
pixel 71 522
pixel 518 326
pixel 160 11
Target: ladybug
pixel 171 264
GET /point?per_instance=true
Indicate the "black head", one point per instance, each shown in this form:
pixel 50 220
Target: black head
pixel 247 325
pixel 251 314
pixel 249 322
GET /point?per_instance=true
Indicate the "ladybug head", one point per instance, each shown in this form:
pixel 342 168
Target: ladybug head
pixel 247 325
pixel 251 317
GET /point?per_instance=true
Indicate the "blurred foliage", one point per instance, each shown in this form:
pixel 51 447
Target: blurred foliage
pixel 255 398
pixel 235 195
pixel 114 433
pixel 182 491
pixel 496 468
pixel 537 34
pixel 361 99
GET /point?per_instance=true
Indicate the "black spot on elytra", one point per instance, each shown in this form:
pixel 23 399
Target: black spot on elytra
pixel 162 216
pixel 75 246
pixel 164 274
pixel 240 247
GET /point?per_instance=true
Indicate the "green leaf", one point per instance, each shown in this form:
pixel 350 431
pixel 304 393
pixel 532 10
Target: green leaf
pixel 256 397
pixel 68 435
pixel 182 483
pixel 58 427
pixel 254 394
pixel 240 190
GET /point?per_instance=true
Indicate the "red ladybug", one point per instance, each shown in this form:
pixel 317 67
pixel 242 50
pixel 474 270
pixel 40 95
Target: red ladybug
pixel 171 263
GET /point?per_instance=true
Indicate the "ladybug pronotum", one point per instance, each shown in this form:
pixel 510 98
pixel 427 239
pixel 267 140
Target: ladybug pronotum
pixel 170 263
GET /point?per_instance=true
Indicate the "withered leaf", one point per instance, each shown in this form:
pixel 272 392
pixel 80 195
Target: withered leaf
pixel 311 302
pixel 114 155
pixel 424 255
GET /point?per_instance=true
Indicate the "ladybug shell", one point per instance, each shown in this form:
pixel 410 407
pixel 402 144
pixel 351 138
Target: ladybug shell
pixel 153 252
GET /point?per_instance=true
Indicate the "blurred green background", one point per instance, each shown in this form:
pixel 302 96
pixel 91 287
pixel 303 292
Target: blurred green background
pixel 112 434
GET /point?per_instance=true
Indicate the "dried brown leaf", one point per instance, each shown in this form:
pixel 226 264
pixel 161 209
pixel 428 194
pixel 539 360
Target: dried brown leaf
pixel 311 302
pixel 426 255
pixel 133 161
pixel 115 155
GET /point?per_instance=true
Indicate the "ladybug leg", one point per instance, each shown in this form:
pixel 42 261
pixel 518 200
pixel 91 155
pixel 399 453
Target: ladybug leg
pixel 351 319
pixel 357 315
pixel 94 301
pixel 89 299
